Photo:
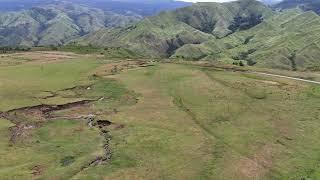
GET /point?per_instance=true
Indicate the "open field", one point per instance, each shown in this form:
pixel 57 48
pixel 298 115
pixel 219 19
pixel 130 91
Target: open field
pixel 90 118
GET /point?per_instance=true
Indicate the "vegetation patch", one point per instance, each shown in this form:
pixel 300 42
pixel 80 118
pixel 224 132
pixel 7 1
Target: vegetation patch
pixel 257 93
pixel 314 91
pixel 67 160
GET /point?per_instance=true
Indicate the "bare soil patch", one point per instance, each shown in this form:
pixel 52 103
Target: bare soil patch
pixel 37 170
pixel 271 82
pixel 43 113
pixel 39 114
pixel 259 164
pixel 20 132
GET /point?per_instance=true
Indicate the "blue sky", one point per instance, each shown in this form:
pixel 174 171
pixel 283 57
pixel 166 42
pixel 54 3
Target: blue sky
pixel 206 0
pixel 215 0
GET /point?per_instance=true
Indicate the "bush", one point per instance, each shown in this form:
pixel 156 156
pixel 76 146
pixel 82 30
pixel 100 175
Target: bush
pixel 244 23
pixel 66 161
pixel 250 62
pixel 13 49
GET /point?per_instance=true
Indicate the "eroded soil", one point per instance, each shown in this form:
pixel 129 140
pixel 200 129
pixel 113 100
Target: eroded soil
pixel 27 119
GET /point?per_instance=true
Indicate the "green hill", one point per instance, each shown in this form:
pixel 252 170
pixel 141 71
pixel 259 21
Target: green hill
pixel 55 24
pixel 287 40
pixel 241 32
pixel 162 35
pixel 244 32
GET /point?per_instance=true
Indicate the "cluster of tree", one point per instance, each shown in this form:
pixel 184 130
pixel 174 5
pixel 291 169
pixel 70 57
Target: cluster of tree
pixel 240 63
pixel 245 56
pixel 292 59
pixel 4 50
pixel 245 22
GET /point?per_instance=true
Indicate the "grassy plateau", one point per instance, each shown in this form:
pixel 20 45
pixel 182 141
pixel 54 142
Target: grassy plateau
pixel 152 120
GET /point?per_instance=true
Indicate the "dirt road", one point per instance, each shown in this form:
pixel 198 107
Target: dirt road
pixel 287 77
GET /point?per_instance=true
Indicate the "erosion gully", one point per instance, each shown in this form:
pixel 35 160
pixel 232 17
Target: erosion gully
pixel 43 113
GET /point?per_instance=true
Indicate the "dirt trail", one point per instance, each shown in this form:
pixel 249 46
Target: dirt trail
pixel 287 77
pixel 238 69
pixel 42 111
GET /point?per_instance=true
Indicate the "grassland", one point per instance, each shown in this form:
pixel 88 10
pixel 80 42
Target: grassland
pixel 215 124
pixel 34 145
pixel 169 121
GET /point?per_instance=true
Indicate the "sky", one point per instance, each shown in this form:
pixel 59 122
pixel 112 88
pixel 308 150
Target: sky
pixel 216 0
pixel 206 0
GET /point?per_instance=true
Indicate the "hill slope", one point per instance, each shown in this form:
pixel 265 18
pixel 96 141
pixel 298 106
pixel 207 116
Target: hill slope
pixel 163 34
pixel 242 32
pixel 288 40
pixel 55 24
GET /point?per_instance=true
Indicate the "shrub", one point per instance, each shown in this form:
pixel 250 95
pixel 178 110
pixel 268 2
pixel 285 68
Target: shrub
pixel 66 161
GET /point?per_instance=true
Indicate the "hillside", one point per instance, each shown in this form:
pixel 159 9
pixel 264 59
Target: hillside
pixel 245 32
pixel 161 35
pixel 54 24
pixel 288 40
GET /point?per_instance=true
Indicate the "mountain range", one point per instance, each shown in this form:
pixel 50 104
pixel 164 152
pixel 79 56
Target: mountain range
pixel 284 35
pixel 162 35
pixel 55 24
pixel 124 7
pixel 245 31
